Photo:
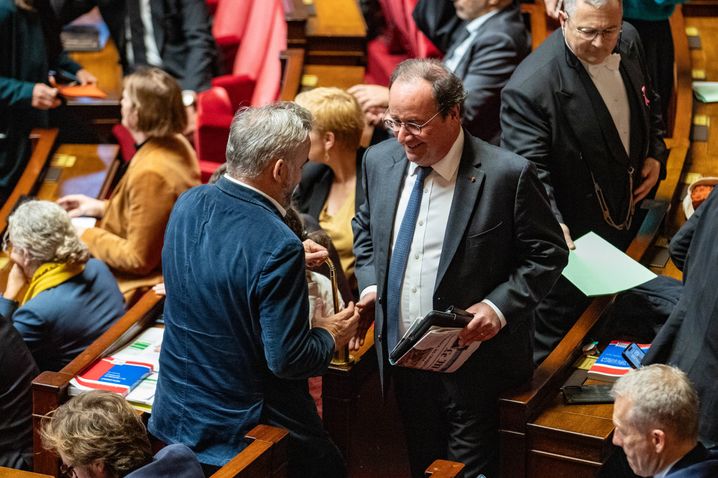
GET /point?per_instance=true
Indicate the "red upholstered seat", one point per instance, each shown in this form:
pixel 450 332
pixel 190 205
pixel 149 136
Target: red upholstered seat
pixel 255 81
pixel 228 27
pixel 125 141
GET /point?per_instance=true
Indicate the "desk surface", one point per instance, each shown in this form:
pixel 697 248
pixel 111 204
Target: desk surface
pixel 10 473
pixel 335 75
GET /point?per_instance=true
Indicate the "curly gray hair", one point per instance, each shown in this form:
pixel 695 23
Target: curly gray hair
pixel 44 231
pixel 259 135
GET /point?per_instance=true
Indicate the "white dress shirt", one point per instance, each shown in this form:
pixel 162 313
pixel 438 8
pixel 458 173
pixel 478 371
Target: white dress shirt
pixel 417 292
pixel 279 207
pixel 609 83
pixel 473 28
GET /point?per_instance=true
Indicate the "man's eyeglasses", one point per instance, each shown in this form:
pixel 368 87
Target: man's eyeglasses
pixel 590 34
pixel 410 127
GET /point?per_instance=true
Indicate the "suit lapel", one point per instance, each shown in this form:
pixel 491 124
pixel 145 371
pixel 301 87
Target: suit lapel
pixel 640 111
pixel 157 8
pixel 469 181
pixel 385 210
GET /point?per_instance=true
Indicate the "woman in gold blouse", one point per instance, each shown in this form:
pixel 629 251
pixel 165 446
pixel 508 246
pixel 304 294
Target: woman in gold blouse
pixel 330 190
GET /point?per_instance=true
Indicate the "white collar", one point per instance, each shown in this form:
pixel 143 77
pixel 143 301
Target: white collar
pixel 447 166
pixel 474 24
pixel 279 207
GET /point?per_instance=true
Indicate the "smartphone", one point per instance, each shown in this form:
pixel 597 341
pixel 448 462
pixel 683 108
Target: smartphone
pixel 575 394
pixel 633 354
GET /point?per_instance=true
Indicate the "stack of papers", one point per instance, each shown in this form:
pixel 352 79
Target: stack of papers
pixel 706 91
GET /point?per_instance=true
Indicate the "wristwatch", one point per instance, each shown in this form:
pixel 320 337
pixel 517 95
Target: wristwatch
pixel 188 98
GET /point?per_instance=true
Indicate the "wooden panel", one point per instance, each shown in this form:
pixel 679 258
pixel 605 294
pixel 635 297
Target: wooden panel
pixel 43 144
pixel 336 35
pixel 556 466
pixel 333 75
pixel 10 473
pixel 444 469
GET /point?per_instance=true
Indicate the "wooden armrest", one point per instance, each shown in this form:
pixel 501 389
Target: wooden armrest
pixel 292 65
pixel 266 456
pixel 444 469
pixel 43 145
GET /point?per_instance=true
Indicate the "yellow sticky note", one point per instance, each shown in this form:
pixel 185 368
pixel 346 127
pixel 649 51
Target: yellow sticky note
pixel 308 2
pixel 64 160
pixel 691 31
pixel 698 74
pixel 701 120
pixel 692 177
pixel 310 81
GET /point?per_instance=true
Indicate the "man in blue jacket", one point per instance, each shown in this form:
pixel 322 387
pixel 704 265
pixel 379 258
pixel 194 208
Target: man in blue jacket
pixel 238 346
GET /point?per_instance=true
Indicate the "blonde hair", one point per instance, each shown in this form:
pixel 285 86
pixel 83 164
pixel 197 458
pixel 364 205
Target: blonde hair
pixel 158 100
pixel 44 230
pixel 334 110
pixel 98 426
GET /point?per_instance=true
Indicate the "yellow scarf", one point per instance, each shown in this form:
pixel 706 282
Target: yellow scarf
pixel 49 275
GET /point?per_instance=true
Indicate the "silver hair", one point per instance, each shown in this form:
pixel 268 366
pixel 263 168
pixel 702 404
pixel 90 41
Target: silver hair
pixel 660 396
pixel 569 6
pixel 258 136
pixel 44 231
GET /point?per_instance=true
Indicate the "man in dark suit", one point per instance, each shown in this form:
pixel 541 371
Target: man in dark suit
pixel 238 347
pixel 656 420
pixel 180 42
pixel 689 338
pixel 483 42
pixel 581 107
pixel 450 220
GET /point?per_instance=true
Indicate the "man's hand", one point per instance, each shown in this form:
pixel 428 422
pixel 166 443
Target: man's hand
pixel 567 236
pixel 484 326
pixel 367 309
pixel 314 254
pixel 78 205
pixel 342 326
pixel 552 8
pixel 16 280
pixel 371 97
pixel 44 97
pixel 85 77
pixel 650 172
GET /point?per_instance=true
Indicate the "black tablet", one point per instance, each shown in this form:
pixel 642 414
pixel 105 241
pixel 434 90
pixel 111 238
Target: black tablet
pixel 452 317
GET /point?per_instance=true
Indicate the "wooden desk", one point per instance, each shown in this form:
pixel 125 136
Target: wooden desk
pixel 94 118
pixel 336 35
pixel 10 473
pixel 334 75
pixel 91 172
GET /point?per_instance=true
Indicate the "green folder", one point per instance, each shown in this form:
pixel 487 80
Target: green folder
pixel 596 267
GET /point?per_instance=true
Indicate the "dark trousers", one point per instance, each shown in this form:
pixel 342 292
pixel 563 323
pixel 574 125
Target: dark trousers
pixel 449 416
pixel 555 315
pixel 658 47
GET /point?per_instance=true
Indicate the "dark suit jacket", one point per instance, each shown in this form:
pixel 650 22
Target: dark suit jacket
pixel 16 374
pixel 172 461
pixel 237 346
pixel 182 31
pixel 499 46
pixel 502 244
pixel 689 338
pixel 28 52
pixel 553 115
pixel 698 463
pixel 313 190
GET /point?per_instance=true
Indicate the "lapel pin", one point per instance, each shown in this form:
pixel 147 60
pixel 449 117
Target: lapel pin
pixel 472 179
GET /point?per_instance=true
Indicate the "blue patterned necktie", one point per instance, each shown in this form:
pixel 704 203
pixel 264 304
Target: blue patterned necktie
pixel 399 257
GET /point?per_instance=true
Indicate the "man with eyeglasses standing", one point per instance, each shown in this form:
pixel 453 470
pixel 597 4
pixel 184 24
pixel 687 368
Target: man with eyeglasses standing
pixel 450 220
pixel 582 108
